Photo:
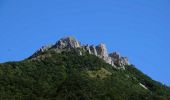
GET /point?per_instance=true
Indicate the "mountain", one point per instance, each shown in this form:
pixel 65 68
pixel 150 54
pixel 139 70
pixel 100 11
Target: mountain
pixel 100 51
pixel 68 70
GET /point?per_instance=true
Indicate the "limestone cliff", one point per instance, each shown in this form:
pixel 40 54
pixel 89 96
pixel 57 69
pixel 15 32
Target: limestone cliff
pixel 100 51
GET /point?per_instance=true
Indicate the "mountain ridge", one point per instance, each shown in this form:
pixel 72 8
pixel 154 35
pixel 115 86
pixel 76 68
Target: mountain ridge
pixel 114 58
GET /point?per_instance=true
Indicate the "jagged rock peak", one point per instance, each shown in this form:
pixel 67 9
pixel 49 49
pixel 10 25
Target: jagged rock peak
pixel 115 59
pixel 102 50
pixel 118 60
pixel 67 42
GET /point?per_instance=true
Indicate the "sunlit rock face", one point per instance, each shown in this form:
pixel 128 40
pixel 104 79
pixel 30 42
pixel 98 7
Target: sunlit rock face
pixel 118 60
pixel 100 51
pixel 93 50
pixel 68 42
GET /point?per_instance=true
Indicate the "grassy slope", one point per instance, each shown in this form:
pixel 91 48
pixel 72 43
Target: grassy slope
pixel 69 76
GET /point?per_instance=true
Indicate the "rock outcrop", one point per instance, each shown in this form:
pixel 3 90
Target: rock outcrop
pixel 100 50
pixel 44 48
pixel 68 42
pixel 87 48
pixel 102 53
pixel 93 50
pixel 118 60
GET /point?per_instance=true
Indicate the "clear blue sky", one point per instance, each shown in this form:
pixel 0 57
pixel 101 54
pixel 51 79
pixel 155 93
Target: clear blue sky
pixel 139 29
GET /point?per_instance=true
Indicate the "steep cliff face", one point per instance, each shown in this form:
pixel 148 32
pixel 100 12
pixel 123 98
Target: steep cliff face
pixel 118 60
pixel 100 50
pixel 68 42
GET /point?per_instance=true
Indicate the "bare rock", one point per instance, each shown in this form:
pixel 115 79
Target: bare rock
pixel 68 42
pixel 101 50
pixel 93 50
pixel 87 48
pixel 118 60
pixel 124 61
pixel 44 48
pixel 109 60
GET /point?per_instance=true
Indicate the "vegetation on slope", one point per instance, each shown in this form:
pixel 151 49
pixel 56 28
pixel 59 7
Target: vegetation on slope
pixel 69 76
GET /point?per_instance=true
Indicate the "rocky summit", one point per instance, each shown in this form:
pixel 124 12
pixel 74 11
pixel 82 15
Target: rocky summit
pixel 115 59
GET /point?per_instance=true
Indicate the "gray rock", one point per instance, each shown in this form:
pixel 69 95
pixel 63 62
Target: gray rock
pixel 118 60
pixel 125 60
pixel 93 50
pixel 68 42
pixel 115 58
pixel 101 50
pixel 102 53
pixel 87 48
pixel 109 60
pixel 45 48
